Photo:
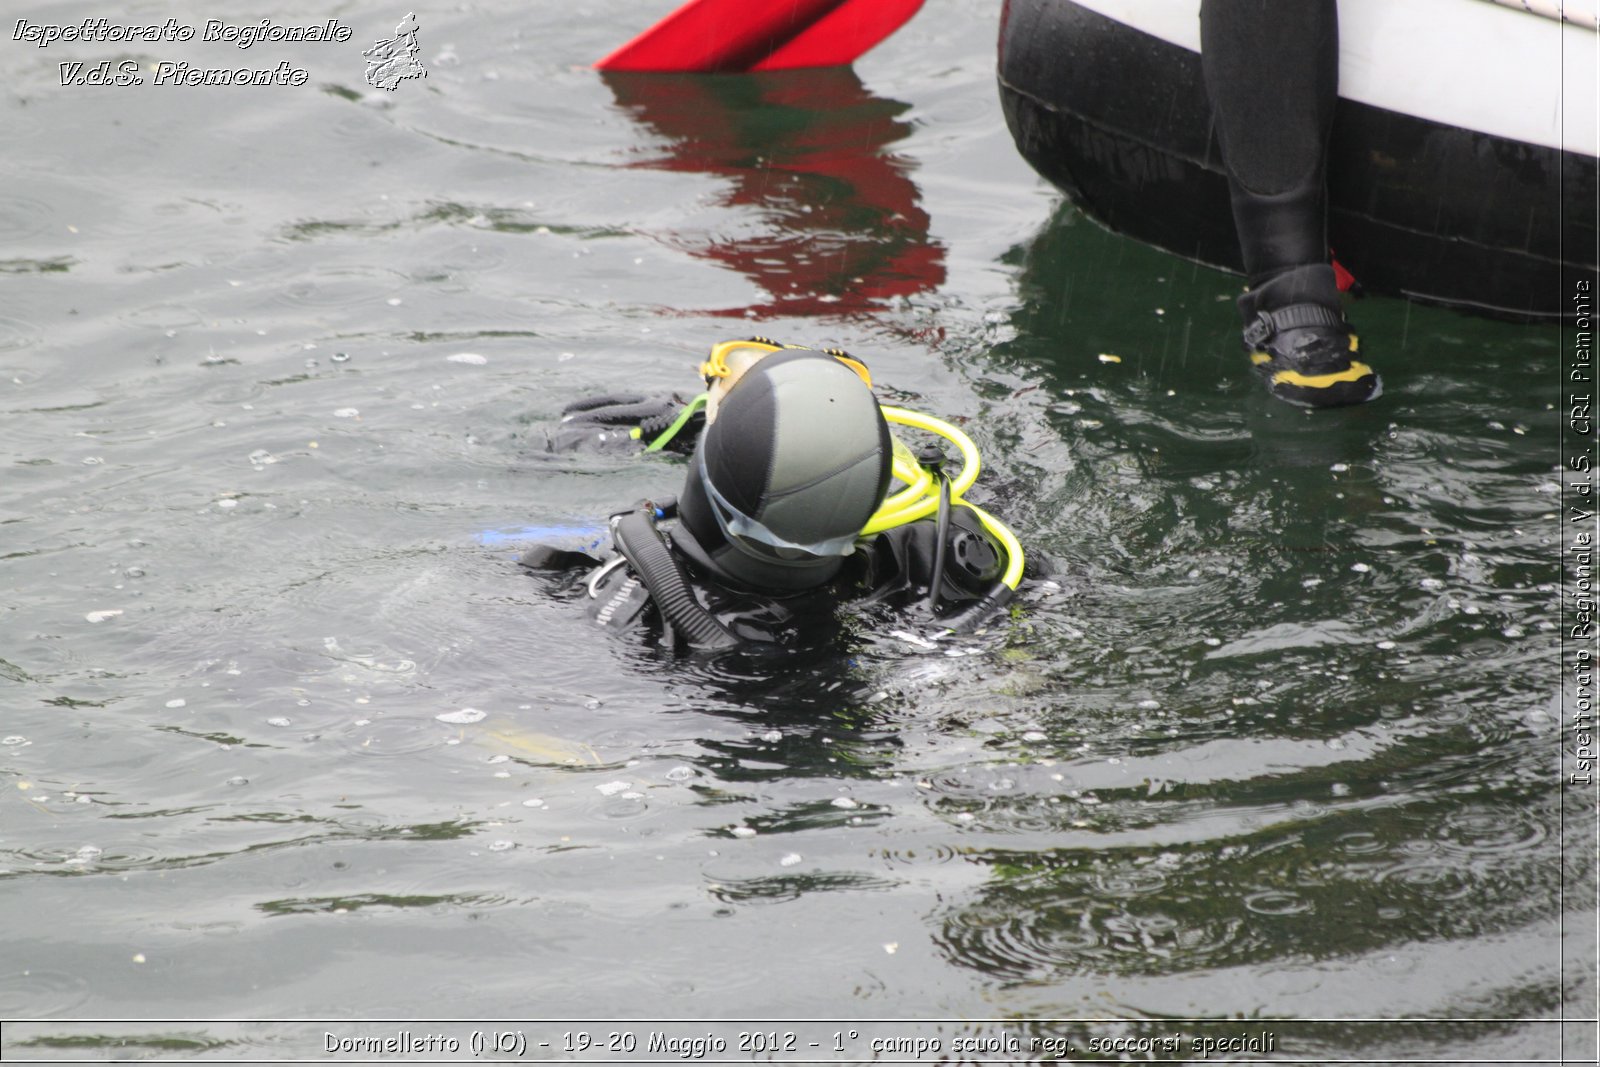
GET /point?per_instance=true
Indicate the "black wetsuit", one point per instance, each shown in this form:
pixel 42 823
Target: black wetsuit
pixel 1272 77
pixel 692 583
pixel 891 571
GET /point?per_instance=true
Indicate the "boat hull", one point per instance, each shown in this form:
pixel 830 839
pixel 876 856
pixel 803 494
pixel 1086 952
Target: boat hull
pixel 1117 117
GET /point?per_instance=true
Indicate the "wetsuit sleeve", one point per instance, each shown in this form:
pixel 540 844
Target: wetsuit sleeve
pixel 623 422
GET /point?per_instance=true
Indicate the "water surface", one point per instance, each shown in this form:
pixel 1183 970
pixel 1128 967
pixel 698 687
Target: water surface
pixel 1280 740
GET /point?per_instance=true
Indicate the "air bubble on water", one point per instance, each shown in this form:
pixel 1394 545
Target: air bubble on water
pixel 1360 568
pixel 394 301
pixel 1512 631
pixel 965 816
pixel 742 831
pixel 772 736
pixel 236 781
pixel 1339 789
pixel 1431 583
pixel 610 789
pixel 178 703
pixel 1213 641
pixel 1339 468
pixel 790 860
pixel 14 741
pixel 278 720
pixel 1386 645
pixel 462 717
pixel 844 802
pixel 102 616
pixel 261 457
pixel 501 846
pixel 340 357
pixel 472 358
pixel 1034 736
pixel 498 759
pixel 680 773
pixel 346 413
pixel 1149 705
pixel 363 722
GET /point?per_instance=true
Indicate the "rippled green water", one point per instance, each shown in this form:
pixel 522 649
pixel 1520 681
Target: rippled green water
pixel 1280 741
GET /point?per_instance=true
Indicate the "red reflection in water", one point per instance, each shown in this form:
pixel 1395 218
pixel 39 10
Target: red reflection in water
pixel 829 222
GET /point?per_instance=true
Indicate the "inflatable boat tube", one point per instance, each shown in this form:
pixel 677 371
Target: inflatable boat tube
pixel 1462 164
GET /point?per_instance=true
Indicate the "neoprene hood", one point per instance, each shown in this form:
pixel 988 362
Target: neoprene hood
pixel 784 478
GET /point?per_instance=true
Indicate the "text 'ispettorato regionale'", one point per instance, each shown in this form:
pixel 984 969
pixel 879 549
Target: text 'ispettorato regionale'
pixel 129 72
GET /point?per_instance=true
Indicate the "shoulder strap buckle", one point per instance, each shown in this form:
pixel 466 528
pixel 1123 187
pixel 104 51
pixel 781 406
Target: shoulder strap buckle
pixel 1293 317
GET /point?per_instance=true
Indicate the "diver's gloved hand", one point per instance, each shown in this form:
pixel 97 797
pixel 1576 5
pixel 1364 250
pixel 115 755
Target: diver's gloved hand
pixel 622 422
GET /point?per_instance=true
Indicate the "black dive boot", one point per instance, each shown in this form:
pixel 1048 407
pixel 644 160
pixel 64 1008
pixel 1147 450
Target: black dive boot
pixel 1274 147
pixel 1299 342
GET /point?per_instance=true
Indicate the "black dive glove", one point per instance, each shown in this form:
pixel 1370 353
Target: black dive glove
pixel 623 422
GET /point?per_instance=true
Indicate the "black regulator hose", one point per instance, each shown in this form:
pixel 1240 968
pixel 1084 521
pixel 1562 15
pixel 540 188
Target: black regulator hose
pixel 647 552
pixel 941 541
pixel 932 458
pixel 969 618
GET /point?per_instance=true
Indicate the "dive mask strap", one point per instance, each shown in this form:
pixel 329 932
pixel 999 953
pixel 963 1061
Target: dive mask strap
pixel 717 365
pixel 736 524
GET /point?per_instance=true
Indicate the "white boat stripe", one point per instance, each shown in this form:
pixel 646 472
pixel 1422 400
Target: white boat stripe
pixel 1480 66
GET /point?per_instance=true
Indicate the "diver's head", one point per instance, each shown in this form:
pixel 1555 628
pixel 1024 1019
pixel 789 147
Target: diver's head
pixel 792 467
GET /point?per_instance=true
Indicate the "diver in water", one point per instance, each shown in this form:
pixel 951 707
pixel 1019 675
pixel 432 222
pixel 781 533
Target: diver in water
pixel 798 496
pixel 1272 76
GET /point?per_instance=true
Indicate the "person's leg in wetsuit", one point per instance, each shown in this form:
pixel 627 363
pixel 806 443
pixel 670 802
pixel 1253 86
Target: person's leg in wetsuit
pixel 1272 75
